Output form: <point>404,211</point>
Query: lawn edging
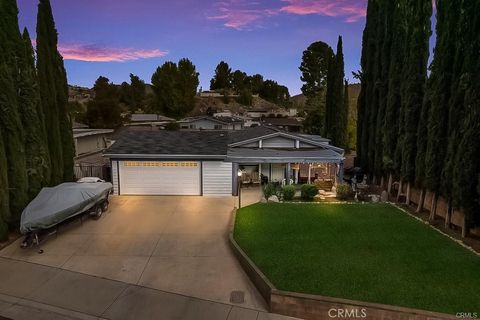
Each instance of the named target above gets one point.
<point>308,306</point>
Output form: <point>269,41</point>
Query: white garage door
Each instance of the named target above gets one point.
<point>160,177</point>
<point>217,178</point>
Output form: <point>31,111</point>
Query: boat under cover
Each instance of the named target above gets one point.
<point>56,204</point>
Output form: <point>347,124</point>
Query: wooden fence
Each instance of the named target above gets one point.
<point>102,172</point>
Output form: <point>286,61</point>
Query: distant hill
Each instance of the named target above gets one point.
<point>218,104</point>
<point>299,101</point>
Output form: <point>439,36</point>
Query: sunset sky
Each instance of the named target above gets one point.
<point>115,37</point>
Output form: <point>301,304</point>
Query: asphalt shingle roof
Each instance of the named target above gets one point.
<point>171,142</point>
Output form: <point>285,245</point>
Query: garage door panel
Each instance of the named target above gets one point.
<point>159,178</point>
<point>217,178</point>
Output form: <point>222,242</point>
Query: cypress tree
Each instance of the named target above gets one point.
<point>393,112</point>
<point>47,62</point>
<point>4,196</point>
<point>461,78</point>
<point>415,70</point>
<point>441,79</point>
<point>36,150</point>
<point>466,166</point>
<point>367,79</point>
<point>344,120</point>
<point>10,124</point>
<point>335,113</point>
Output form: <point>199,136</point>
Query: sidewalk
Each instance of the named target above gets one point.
<point>29,290</point>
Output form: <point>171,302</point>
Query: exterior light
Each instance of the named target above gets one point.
<point>239,173</point>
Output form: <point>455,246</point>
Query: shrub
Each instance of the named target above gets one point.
<point>343,191</point>
<point>288,192</point>
<point>269,190</point>
<point>309,191</point>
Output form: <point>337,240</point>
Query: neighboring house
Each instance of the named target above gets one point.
<point>287,124</point>
<point>90,142</point>
<point>148,120</point>
<point>211,123</point>
<point>207,162</point>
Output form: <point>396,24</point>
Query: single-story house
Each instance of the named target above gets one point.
<point>208,162</point>
<point>148,120</point>
<point>211,123</point>
<point>284,123</point>
<point>90,141</point>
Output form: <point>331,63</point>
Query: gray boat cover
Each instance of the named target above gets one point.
<point>56,204</point>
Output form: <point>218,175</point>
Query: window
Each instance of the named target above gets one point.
<point>159,164</point>
<point>218,127</point>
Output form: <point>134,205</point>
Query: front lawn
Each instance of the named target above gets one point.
<point>367,252</point>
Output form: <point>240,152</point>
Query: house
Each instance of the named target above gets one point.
<point>90,143</point>
<point>211,123</point>
<point>287,124</point>
<point>207,162</point>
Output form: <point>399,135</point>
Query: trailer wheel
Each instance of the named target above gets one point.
<point>104,205</point>
<point>98,212</point>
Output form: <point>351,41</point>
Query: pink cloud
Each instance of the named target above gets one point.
<point>239,14</point>
<point>94,53</point>
<point>351,10</point>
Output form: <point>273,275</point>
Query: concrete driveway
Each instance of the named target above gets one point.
<point>173,244</point>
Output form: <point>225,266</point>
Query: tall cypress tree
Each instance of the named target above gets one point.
<point>4,196</point>
<point>10,124</point>
<point>393,112</point>
<point>415,70</point>
<point>37,159</point>
<point>367,79</point>
<point>47,62</point>
<point>335,113</point>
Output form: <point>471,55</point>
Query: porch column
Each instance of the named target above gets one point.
<point>340,172</point>
<point>235,179</point>
<point>289,173</point>
<point>309,172</point>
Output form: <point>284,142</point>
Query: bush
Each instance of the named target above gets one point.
<point>309,191</point>
<point>269,190</point>
<point>288,192</point>
<point>343,191</point>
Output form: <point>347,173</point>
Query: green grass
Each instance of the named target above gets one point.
<point>370,252</point>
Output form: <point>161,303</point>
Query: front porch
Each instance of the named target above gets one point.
<point>249,175</point>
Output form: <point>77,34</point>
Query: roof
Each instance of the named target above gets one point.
<point>170,143</point>
<point>218,145</point>
<point>78,133</point>
<point>223,119</point>
<point>145,117</point>
<point>246,155</point>
<point>78,125</point>
<point>291,122</point>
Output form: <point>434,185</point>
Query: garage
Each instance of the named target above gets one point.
<point>159,177</point>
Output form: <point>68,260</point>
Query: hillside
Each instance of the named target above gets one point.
<point>202,104</point>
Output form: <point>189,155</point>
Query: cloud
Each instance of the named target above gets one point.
<point>95,53</point>
<point>240,15</point>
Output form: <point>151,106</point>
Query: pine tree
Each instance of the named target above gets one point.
<point>46,64</point>
<point>36,150</point>
<point>10,124</point>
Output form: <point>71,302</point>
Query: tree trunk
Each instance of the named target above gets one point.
<point>407,198</point>
<point>400,185</point>
<point>382,181</point>
<point>389,185</point>
<point>374,181</point>
<point>464,227</point>
<point>448,217</point>
<point>421,201</point>
<point>434,207</point>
